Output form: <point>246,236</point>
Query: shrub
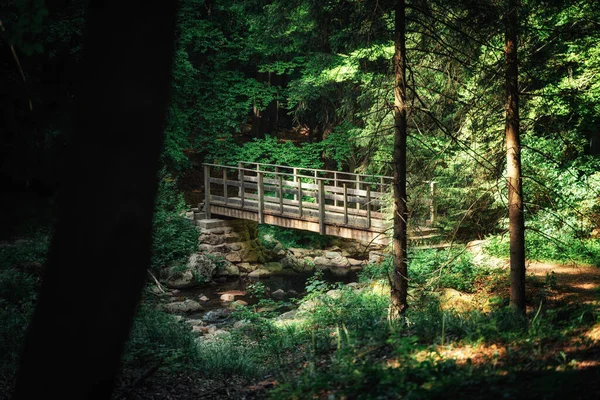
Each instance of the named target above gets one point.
<point>174,237</point>
<point>157,338</point>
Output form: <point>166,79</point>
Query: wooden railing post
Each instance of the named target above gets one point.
<point>357,188</point>
<point>335,183</point>
<point>316,184</point>
<point>261,198</point>
<point>345,203</point>
<point>241,179</point>
<point>207,191</point>
<point>300,196</point>
<point>295,180</point>
<point>368,207</point>
<point>225,183</point>
<point>242,191</point>
<point>280,194</point>
<point>321,196</point>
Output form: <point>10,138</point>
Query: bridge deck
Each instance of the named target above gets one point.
<point>329,202</point>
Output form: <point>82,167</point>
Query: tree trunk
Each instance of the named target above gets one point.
<point>100,251</point>
<point>399,278</point>
<point>513,157</point>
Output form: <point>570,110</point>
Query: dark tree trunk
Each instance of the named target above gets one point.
<point>100,252</point>
<point>513,155</point>
<point>399,279</point>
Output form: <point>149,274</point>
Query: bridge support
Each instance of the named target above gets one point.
<point>235,239</point>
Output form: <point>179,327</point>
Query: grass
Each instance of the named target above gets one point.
<point>342,344</point>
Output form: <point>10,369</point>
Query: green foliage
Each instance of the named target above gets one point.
<point>20,267</point>
<point>158,339</point>
<point>292,238</point>
<point>174,237</point>
<point>559,247</point>
<point>256,290</point>
<point>443,268</point>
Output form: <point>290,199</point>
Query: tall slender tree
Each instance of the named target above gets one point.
<point>513,157</point>
<point>399,279</point>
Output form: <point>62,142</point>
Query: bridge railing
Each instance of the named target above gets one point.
<point>331,197</point>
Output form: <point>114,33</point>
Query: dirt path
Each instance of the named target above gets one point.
<point>579,283</point>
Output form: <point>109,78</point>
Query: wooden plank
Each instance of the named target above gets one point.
<point>330,229</point>
<point>321,207</point>
<point>261,216</point>
<point>345,203</point>
<point>272,200</point>
<point>291,211</point>
<point>280,194</point>
<point>299,196</point>
<point>368,205</point>
<point>225,184</point>
<point>207,190</point>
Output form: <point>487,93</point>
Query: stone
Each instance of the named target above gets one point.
<point>354,262</point>
<point>259,273</point>
<point>334,293</point>
<point>321,261</point>
<point>240,324</point>
<point>353,285</point>
<point>247,267</point>
<point>185,306</point>
<point>292,293</point>
<point>287,315</point>
<point>227,269</point>
<point>227,297</point>
<point>194,322</point>
<point>241,302</point>
<point>273,266</point>
<point>375,257</point>
<point>332,254</point>
<point>233,257</point>
<point>235,246</point>
<point>198,329</point>
<point>181,279</point>
<point>203,298</point>
<point>216,315</point>
<point>278,294</point>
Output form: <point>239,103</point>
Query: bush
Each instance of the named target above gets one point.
<point>561,248</point>
<point>292,237</point>
<point>174,237</point>
<point>157,338</point>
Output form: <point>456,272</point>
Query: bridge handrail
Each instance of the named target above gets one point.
<point>316,178</point>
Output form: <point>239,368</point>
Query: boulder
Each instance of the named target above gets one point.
<point>321,261</point>
<point>216,315</point>
<point>203,298</point>
<point>227,269</point>
<point>278,294</point>
<point>259,273</point>
<point>375,257</point>
<point>181,279</point>
<point>185,306</point>
<point>227,297</point>
<point>273,266</point>
<point>287,315</point>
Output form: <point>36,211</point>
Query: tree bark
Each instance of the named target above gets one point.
<point>513,157</point>
<point>100,251</point>
<point>399,278</point>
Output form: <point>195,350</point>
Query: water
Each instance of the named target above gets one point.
<point>287,282</point>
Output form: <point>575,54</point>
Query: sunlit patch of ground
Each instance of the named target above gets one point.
<point>580,283</point>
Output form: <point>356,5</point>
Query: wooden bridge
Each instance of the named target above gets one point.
<point>329,202</point>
